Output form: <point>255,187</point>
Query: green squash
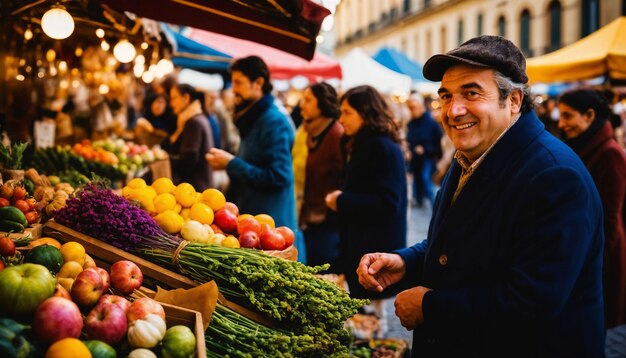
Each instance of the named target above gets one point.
<point>46,255</point>
<point>100,349</point>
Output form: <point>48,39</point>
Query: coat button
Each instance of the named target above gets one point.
<point>443,260</point>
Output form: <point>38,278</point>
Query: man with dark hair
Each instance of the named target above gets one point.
<point>512,265</point>
<point>261,175</point>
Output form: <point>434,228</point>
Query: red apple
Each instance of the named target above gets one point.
<point>106,323</point>
<point>57,318</point>
<point>250,240</point>
<point>142,307</point>
<point>126,276</point>
<point>272,240</point>
<point>248,224</point>
<point>232,208</point>
<point>60,291</point>
<point>106,279</point>
<point>216,229</point>
<point>226,220</point>
<point>288,235</point>
<point>87,288</point>
<point>115,300</point>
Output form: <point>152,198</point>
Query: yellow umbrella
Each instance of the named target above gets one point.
<point>601,53</point>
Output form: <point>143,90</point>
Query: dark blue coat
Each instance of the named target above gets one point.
<point>426,132</point>
<point>262,175</point>
<point>372,207</point>
<point>515,263</point>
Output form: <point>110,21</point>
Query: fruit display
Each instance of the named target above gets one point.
<point>285,291</point>
<point>206,217</point>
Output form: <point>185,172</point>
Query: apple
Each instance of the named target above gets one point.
<point>142,307</point>
<point>232,208</point>
<point>106,279</point>
<point>272,240</point>
<point>57,318</point>
<point>126,276</point>
<point>248,224</point>
<point>226,220</point>
<point>288,235</point>
<point>87,288</point>
<point>106,323</point>
<point>250,240</point>
<point>115,300</point>
<point>60,291</point>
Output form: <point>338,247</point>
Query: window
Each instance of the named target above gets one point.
<point>554,10</point>
<point>524,30</point>
<point>479,24</point>
<point>407,6</point>
<point>501,26</point>
<point>590,15</point>
<point>459,35</point>
<point>429,44</point>
<point>426,3</point>
<point>443,39</point>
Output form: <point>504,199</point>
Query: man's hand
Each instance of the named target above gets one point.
<point>419,150</point>
<point>409,306</point>
<point>379,270</point>
<point>331,199</point>
<point>218,159</point>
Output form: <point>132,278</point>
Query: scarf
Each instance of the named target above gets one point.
<point>578,143</point>
<point>192,110</point>
<point>245,119</point>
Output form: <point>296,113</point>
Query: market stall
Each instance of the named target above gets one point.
<point>357,62</point>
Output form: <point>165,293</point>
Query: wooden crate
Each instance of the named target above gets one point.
<point>106,255</point>
<point>175,315</point>
<point>34,231</point>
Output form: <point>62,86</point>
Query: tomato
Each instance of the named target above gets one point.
<point>31,217</point>
<point>1,265</point>
<point>31,203</point>
<point>7,247</point>
<point>4,202</point>
<point>22,205</point>
<point>19,193</point>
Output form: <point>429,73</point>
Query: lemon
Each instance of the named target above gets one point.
<point>169,221</point>
<point>185,194</point>
<point>165,201</point>
<point>202,213</point>
<point>177,208</point>
<point>163,185</point>
<point>184,213</point>
<point>137,183</point>
<point>70,269</point>
<point>213,198</point>
<point>265,219</point>
<point>231,241</point>
<point>145,197</point>
<point>73,251</point>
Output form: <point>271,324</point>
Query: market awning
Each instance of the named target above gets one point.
<point>360,69</point>
<point>282,65</point>
<point>602,53</point>
<point>187,53</point>
<point>398,61</point>
<point>289,25</point>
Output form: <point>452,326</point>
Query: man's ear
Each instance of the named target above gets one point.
<point>259,82</point>
<point>516,101</point>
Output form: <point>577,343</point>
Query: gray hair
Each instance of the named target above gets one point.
<point>506,86</point>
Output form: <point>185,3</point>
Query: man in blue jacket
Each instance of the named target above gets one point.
<point>513,261</point>
<point>261,176</point>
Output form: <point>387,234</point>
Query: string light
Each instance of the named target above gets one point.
<point>124,51</point>
<point>57,23</point>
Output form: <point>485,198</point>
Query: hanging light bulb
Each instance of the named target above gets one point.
<point>124,51</point>
<point>147,77</point>
<point>100,33</point>
<point>78,52</point>
<point>105,45</point>
<point>144,45</point>
<point>50,55</point>
<point>57,23</point>
<point>164,68</point>
<point>28,34</point>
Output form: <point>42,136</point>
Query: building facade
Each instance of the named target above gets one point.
<point>422,28</point>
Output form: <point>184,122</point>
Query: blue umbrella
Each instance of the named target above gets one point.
<point>397,61</point>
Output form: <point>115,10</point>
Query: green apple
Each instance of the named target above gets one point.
<point>23,288</point>
<point>179,342</point>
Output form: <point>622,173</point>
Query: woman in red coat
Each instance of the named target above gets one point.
<point>583,119</point>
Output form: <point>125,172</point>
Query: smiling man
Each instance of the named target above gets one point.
<point>513,260</point>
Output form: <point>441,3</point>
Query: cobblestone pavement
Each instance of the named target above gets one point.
<point>419,218</point>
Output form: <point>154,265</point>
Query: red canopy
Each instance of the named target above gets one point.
<point>282,65</point>
<point>290,25</point>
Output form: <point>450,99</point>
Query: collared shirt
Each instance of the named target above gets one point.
<point>468,168</point>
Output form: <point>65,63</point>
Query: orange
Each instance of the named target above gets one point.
<point>68,348</point>
<point>265,219</point>
<point>73,251</point>
<point>213,198</point>
<point>202,213</point>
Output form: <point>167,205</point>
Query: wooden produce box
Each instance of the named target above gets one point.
<point>35,231</point>
<point>106,255</point>
<point>175,315</point>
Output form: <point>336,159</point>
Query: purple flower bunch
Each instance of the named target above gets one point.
<point>106,216</point>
